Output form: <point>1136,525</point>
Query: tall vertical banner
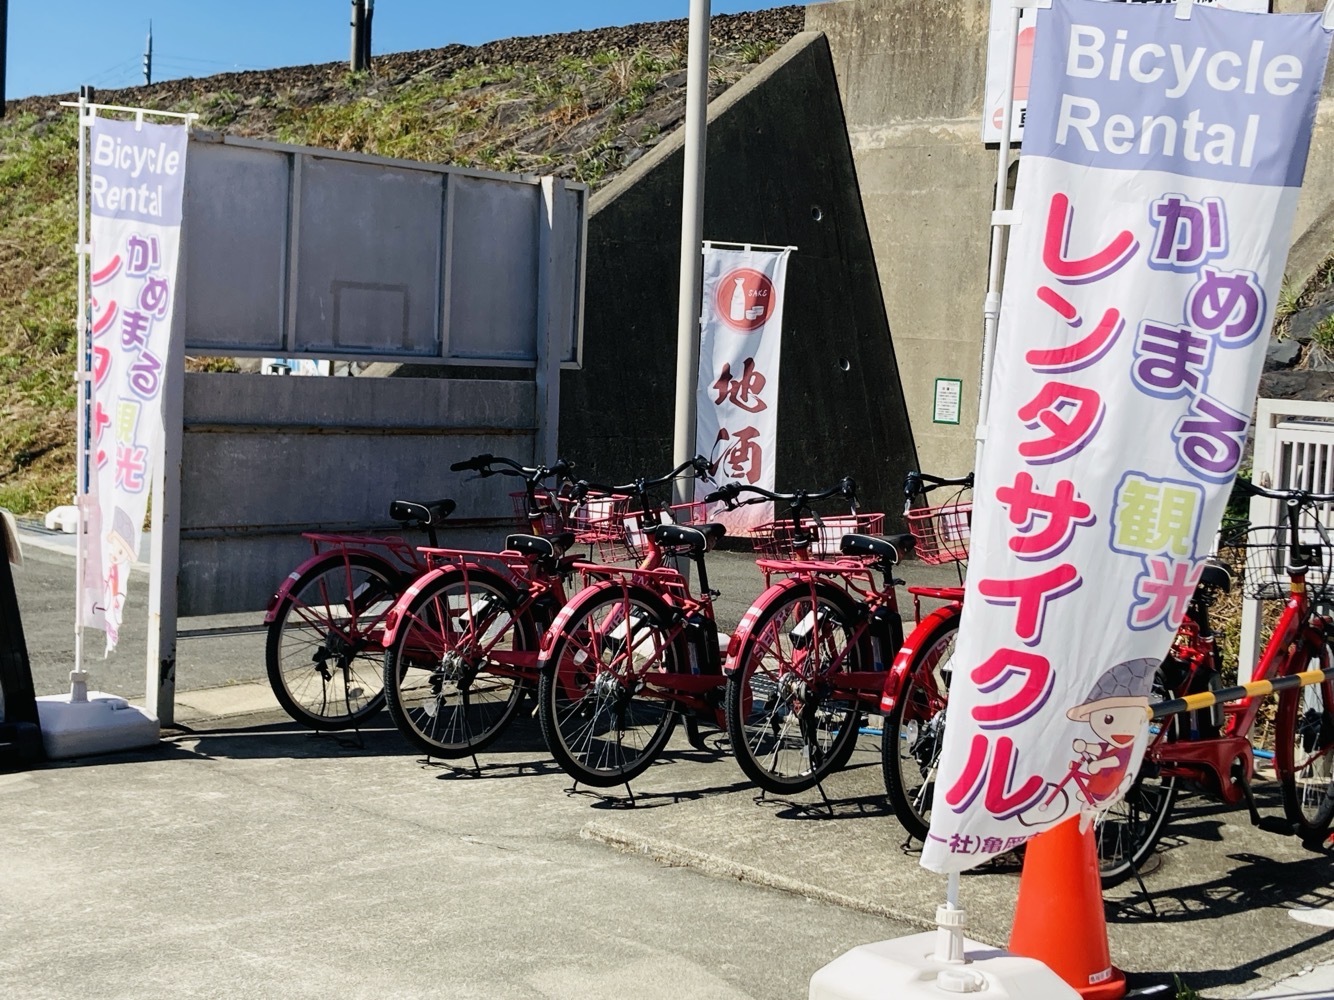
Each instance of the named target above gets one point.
<point>741,333</point>
<point>1162,162</point>
<point>136,190</point>
<point>1000,45</point>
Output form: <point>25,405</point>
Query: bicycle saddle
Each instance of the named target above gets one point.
<point>1216,575</point>
<point>697,538</point>
<point>552,546</point>
<point>891,548</point>
<point>429,514</point>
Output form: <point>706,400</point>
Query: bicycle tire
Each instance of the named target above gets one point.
<point>1127,833</point>
<point>313,625</point>
<point>444,691</point>
<point>587,713</point>
<point>912,742</point>
<point>784,741</point>
<point>1304,752</point>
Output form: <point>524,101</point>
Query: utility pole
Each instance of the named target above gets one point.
<point>692,236</point>
<point>366,21</point>
<point>357,61</point>
<point>148,56</point>
<point>4,46</point>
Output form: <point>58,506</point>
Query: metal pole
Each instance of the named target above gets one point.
<point>366,23</point>
<point>148,56</point>
<point>83,383</point>
<point>4,46</point>
<point>692,235</point>
<point>358,19</point>
<point>991,308</point>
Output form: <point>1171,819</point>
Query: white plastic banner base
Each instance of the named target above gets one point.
<point>102,724</point>
<point>904,968</point>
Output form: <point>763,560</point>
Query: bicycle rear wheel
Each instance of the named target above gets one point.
<point>789,724</point>
<point>1304,753</point>
<point>323,648</point>
<point>453,675</point>
<point>915,729</point>
<point>602,719</point>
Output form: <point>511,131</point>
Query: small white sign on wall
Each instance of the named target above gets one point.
<point>949,392</point>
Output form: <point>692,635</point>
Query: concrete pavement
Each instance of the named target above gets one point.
<point>246,857</point>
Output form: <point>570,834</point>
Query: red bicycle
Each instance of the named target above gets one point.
<point>1193,741</point>
<point>460,643</point>
<point>808,657</point>
<point>634,650</point>
<point>326,620</point>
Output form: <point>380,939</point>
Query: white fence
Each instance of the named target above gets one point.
<point>1294,448</point>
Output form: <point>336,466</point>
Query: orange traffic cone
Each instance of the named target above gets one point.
<point>1059,919</point>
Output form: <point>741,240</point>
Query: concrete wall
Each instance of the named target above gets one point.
<point>911,76</point>
<point>266,458</point>
<point>780,171</point>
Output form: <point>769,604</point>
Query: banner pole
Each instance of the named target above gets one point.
<point>78,679</point>
<point>995,276</point>
<point>692,236</point>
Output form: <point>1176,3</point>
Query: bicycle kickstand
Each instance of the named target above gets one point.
<point>819,785</point>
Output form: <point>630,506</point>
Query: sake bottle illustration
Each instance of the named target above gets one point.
<point>737,310</point>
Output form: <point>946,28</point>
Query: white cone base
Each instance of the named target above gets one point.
<point>903,969</point>
<point>102,724</point>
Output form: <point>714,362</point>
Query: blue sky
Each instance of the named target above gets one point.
<point>56,45</point>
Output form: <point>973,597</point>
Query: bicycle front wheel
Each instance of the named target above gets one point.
<point>453,676</point>
<point>1304,753</point>
<point>1127,833</point>
<point>789,723</point>
<point>915,729</point>
<point>323,648</point>
<point>603,696</point>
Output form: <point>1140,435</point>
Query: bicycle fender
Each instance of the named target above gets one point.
<point>903,659</point>
<point>757,608</point>
<point>400,609</point>
<point>286,586</point>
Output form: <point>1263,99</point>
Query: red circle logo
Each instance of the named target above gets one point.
<point>745,299</point>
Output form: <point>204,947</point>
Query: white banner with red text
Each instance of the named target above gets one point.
<point>741,336</point>
<point>1000,45</point>
<point>136,189</point>
<point>1154,212</point>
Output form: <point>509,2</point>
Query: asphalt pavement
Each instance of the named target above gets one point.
<point>246,857</point>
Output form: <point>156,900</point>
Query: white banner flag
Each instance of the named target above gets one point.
<point>741,334</point>
<point>998,54</point>
<point>1161,170</point>
<point>136,190</point>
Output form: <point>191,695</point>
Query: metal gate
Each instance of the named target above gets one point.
<point>309,253</point>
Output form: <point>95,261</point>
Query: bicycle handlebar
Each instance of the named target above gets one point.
<point>481,464</point>
<point>1291,496</point>
<point>699,465</point>
<point>730,494</point>
<point>920,483</point>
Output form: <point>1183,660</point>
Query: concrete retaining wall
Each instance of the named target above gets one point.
<point>780,171</point>
<point>911,75</point>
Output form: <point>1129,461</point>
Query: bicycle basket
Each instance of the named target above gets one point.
<point>1262,552</point>
<point>814,540</point>
<point>942,533</point>
<point>629,540</point>
<point>547,508</point>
